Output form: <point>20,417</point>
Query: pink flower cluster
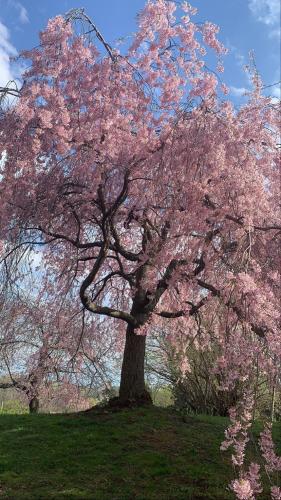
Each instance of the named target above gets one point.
<point>272,461</point>
<point>248,486</point>
<point>237,433</point>
<point>242,489</point>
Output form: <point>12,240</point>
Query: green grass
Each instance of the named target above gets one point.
<point>134,454</point>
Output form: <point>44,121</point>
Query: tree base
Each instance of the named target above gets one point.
<point>118,404</point>
<point>142,400</point>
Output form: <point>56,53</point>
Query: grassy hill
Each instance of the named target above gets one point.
<point>142,454</point>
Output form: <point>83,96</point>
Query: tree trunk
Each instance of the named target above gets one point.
<point>34,405</point>
<point>132,385</point>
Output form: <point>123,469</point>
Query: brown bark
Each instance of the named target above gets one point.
<point>132,385</point>
<point>34,405</point>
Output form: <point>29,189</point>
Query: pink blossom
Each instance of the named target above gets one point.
<point>275,493</point>
<point>273,462</point>
<point>242,488</point>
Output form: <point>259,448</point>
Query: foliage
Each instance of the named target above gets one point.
<point>197,388</point>
<point>11,404</point>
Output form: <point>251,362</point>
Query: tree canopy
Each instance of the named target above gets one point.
<point>149,195</point>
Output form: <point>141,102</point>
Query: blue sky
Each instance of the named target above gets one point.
<point>245,25</point>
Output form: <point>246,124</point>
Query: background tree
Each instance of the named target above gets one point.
<point>49,351</point>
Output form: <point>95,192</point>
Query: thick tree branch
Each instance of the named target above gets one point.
<point>178,314</point>
<point>92,306</point>
<point>163,284</point>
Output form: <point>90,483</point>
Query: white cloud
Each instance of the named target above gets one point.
<point>276,92</point>
<point>238,91</point>
<point>23,14</point>
<point>235,52</point>
<point>266,11</point>
<point>240,58</point>
<point>7,50</point>
<point>275,33</point>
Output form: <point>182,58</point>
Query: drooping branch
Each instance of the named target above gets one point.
<point>79,14</point>
<point>260,330</point>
